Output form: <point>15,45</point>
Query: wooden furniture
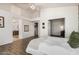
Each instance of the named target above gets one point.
<point>15,32</point>
<point>62,34</point>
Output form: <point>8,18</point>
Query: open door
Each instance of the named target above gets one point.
<point>36,29</point>
<point>57,27</point>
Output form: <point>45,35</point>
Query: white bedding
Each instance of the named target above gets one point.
<point>50,46</point>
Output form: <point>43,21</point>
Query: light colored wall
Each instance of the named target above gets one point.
<point>21,28</point>
<point>29,13</point>
<point>70,14</point>
<point>15,10</point>
<point>26,13</point>
<point>15,24</point>
<point>43,32</point>
<point>6,32</point>
<point>12,12</point>
<point>31,29</point>
<point>49,28</point>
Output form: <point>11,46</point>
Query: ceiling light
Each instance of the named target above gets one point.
<point>32,7</point>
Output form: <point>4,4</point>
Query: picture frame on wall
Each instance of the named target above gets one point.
<point>26,28</point>
<point>1,22</point>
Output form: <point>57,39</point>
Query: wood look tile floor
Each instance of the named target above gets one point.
<point>17,47</point>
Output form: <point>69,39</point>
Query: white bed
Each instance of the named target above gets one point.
<point>51,46</point>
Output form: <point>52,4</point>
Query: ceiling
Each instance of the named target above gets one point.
<point>38,6</point>
<point>52,5</point>
<point>44,5</point>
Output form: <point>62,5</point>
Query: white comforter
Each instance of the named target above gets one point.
<point>50,46</point>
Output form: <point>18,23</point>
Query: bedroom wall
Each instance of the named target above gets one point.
<point>15,24</point>
<point>12,13</point>
<point>21,29</point>
<point>26,13</point>
<point>23,21</point>
<point>6,32</point>
<point>70,13</point>
<point>43,32</point>
<point>15,10</point>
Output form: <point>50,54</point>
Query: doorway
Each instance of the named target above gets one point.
<point>57,27</point>
<point>15,29</point>
<point>35,30</point>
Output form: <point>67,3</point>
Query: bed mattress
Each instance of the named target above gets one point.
<point>51,46</point>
